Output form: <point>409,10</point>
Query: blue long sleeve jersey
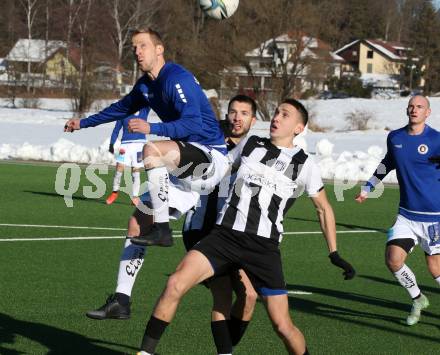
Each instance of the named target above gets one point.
<point>177,98</point>
<point>419,180</point>
<point>129,137</point>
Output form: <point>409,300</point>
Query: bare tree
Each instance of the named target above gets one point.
<point>82,86</point>
<point>30,9</point>
<point>127,14</point>
<point>46,37</point>
<point>73,9</point>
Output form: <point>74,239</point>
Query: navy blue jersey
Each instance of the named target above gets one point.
<point>179,101</point>
<point>419,180</point>
<point>129,137</point>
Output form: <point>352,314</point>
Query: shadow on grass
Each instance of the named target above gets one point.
<point>57,341</point>
<point>346,225</point>
<point>424,288</point>
<point>359,314</point>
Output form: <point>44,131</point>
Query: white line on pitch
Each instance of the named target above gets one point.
<point>24,239</point>
<point>61,227</point>
<point>56,238</point>
<point>110,228</point>
<point>338,232</point>
<point>299,293</point>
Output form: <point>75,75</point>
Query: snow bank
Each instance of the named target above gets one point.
<point>37,134</point>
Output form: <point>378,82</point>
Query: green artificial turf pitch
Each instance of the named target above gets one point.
<point>46,286</point>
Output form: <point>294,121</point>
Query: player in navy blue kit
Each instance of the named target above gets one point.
<point>409,151</point>
<point>196,151</point>
<point>129,154</point>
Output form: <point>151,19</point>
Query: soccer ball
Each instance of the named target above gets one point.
<point>219,9</point>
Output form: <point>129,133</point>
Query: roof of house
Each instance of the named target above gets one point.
<point>313,46</point>
<point>33,50</point>
<point>392,50</point>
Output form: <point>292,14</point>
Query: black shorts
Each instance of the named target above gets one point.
<point>405,243</point>
<point>227,249</point>
<point>190,158</point>
<point>192,237</point>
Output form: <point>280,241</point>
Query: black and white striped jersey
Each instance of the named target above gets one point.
<point>268,182</point>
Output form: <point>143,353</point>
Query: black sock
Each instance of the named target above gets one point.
<point>237,328</point>
<point>122,298</point>
<point>153,332</point>
<point>222,339</point>
<point>163,225</point>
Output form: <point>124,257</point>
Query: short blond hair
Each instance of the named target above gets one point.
<point>155,36</point>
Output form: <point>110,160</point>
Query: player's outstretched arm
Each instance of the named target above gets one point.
<point>328,227</point>
<point>326,219</point>
<point>72,125</point>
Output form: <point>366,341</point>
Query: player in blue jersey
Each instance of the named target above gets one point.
<point>196,151</point>
<point>129,154</point>
<point>198,223</point>
<point>409,150</point>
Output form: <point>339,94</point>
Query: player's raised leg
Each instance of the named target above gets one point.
<point>194,268</point>
<point>159,158</point>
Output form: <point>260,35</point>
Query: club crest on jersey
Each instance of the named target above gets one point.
<point>422,149</point>
<point>279,165</point>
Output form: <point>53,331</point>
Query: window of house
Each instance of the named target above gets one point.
<point>369,68</point>
<point>248,82</point>
<point>272,83</point>
<point>280,53</point>
<point>230,81</point>
<point>370,54</point>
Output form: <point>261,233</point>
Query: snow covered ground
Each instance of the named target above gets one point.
<point>37,134</point>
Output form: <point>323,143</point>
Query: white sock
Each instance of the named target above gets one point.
<point>408,280</point>
<point>136,175</point>
<point>130,264</point>
<point>117,180</point>
<point>437,279</point>
<point>158,183</point>
<point>143,353</point>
